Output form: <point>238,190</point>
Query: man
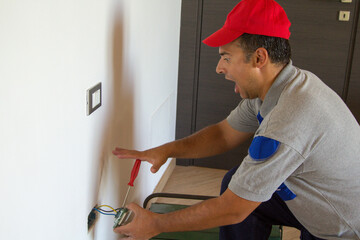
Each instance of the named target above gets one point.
<point>303,166</point>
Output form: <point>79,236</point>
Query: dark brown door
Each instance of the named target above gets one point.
<point>320,43</point>
<point>353,97</point>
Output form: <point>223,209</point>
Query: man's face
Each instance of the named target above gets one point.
<point>233,65</point>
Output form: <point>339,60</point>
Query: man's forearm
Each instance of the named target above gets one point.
<point>210,141</point>
<point>206,142</point>
<point>207,214</point>
<point>201,216</point>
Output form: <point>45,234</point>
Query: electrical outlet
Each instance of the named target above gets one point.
<point>344,16</point>
<point>92,218</point>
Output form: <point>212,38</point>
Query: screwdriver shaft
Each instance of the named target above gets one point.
<point>126,196</point>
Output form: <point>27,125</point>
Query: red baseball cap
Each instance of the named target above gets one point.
<point>261,17</point>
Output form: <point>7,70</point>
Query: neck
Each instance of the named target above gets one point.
<point>270,74</point>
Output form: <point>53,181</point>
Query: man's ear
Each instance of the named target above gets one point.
<point>261,56</point>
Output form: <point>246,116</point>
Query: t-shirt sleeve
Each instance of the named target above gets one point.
<point>264,169</point>
<point>243,117</point>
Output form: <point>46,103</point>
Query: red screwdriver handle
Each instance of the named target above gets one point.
<point>134,172</point>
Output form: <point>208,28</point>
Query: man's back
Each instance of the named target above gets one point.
<point>316,123</point>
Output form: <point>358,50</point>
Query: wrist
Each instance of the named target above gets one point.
<point>157,226</point>
<point>164,150</point>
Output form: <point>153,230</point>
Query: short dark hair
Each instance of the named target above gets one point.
<point>279,49</point>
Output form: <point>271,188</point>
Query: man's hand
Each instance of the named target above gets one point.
<point>154,156</point>
<point>143,226</point>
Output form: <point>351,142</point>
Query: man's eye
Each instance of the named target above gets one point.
<point>225,58</point>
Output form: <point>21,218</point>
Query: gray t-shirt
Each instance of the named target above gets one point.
<point>307,149</point>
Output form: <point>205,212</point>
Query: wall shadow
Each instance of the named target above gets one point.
<point>113,173</point>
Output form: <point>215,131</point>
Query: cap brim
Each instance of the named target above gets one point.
<point>222,37</point>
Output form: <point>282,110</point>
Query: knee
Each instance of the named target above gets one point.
<point>227,178</point>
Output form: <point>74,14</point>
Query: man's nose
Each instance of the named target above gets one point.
<point>219,68</point>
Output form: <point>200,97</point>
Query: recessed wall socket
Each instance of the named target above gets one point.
<point>93,98</point>
<point>92,218</point>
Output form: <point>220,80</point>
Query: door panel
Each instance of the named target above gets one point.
<point>353,98</point>
<point>319,41</point>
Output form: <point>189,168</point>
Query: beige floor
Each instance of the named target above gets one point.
<point>203,181</point>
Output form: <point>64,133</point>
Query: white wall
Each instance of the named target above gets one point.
<point>56,162</point>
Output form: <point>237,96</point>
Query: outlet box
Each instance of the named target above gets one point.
<point>92,218</point>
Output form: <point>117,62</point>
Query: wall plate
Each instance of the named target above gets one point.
<point>93,98</point>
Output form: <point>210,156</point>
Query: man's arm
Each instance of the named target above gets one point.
<point>224,210</point>
<point>210,141</point>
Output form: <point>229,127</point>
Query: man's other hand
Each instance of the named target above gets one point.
<point>154,156</point>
